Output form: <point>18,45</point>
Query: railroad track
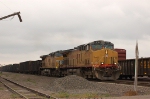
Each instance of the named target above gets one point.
<point>24,92</point>
<point>144,83</point>
<point>141,82</point>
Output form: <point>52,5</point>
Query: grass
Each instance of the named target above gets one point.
<point>61,95</point>
<point>1,88</point>
<point>14,96</point>
<point>0,73</point>
<point>130,93</point>
<point>84,95</point>
<point>15,76</point>
<point>30,80</point>
<point>89,95</point>
<point>105,95</point>
<point>6,75</point>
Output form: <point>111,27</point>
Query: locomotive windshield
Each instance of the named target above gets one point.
<point>100,46</point>
<point>109,46</point>
<point>96,46</point>
<point>58,54</point>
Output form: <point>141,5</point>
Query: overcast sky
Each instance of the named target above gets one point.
<point>51,25</point>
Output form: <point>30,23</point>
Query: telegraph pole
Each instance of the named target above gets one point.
<point>16,13</point>
<point>136,66</point>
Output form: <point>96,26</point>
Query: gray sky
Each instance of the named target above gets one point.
<point>51,25</point>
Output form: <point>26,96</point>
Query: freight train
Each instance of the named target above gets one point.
<point>128,65</point>
<point>96,59</point>
<point>31,67</point>
<point>128,68</point>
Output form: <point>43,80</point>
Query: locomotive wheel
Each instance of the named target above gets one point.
<point>98,75</point>
<point>82,74</point>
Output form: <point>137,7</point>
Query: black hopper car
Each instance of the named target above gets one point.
<point>31,67</point>
<point>128,68</point>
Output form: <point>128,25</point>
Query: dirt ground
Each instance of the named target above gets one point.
<point>41,83</point>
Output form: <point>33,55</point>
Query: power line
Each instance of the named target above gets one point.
<point>6,6</point>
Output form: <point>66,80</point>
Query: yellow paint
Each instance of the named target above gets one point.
<point>91,58</point>
<point>51,62</point>
<point>145,64</point>
<point>83,58</point>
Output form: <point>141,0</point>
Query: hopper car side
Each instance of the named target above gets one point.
<point>128,68</point>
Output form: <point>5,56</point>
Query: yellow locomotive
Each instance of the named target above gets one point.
<point>96,59</point>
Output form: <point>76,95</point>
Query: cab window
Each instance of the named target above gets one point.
<point>96,47</point>
<point>58,54</point>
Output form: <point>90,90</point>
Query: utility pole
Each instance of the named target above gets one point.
<point>136,66</point>
<point>16,13</point>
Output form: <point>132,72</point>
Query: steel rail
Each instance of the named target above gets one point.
<point>32,90</point>
<point>14,90</point>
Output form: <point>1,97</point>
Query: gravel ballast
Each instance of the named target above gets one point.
<point>72,85</point>
<point>76,84</point>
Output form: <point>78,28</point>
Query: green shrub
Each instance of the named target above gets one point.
<point>15,96</point>
<point>62,95</point>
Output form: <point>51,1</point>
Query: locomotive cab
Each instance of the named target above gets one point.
<point>105,61</point>
<point>52,63</point>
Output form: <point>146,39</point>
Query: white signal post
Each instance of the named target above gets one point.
<point>136,66</point>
